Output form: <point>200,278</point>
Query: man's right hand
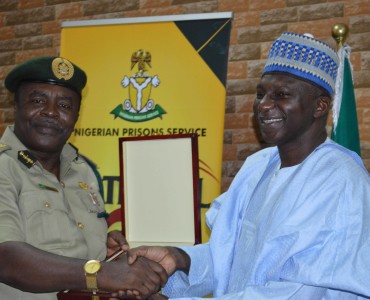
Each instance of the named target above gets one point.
<point>170,258</point>
<point>144,277</point>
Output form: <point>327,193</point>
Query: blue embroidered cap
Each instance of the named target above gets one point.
<point>305,57</point>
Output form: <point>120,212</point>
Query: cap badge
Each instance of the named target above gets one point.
<point>62,68</point>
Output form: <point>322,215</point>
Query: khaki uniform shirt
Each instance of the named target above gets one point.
<point>60,217</point>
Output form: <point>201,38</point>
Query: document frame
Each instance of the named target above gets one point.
<point>85,295</point>
<point>159,177</point>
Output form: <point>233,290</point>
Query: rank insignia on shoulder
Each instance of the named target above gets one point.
<point>26,158</point>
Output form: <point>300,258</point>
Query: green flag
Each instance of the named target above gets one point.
<point>345,127</point>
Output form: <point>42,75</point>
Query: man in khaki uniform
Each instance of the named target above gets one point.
<point>53,233</point>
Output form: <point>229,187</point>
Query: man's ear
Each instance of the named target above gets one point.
<point>322,107</point>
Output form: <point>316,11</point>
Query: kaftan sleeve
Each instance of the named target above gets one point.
<point>199,282</point>
<point>281,290</point>
<point>271,291</point>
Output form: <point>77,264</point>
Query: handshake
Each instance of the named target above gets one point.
<point>141,272</point>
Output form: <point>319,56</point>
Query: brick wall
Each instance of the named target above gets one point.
<point>31,28</point>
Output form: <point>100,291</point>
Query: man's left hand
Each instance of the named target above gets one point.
<point>115,242</point>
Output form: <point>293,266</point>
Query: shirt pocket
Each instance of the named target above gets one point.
<point>48,222</point>
<point>87,207</point>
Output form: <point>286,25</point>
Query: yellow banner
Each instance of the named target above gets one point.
<point>147,78</point>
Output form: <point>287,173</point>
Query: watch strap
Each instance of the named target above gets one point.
<point>91,282</point>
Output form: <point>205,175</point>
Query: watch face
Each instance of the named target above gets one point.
<point>92,266</point>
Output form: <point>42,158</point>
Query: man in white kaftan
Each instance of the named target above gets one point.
<point>298,243</point>
<point>295,222</point>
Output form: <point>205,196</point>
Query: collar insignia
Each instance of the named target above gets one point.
<point>26,158</point>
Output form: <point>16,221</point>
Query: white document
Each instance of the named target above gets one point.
<point>158,192</point>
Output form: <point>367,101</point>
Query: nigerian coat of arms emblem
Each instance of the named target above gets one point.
<point>139,106</point>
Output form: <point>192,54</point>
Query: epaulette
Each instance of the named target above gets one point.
<point>4,147</point>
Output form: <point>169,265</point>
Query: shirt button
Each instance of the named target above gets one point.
<point>62,184</point>
<point>80,225</point>
<point>47,204</point>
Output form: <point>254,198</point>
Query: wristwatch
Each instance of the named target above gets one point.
<point>91,271</point>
